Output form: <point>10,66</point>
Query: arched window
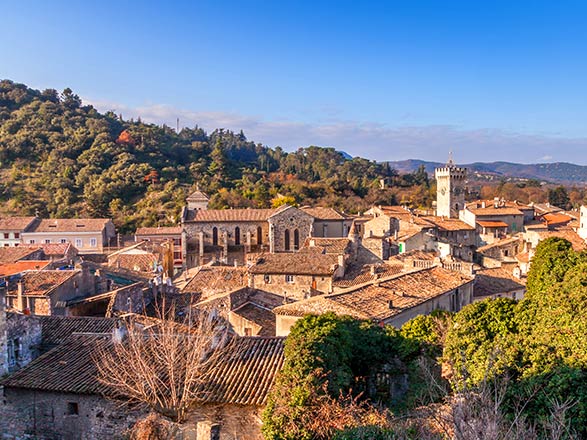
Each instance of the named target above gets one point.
<point>287,239</point>
<point>296,239</point>
<point>259,235</point>
<point>237,236</point>
<point>214,236</point>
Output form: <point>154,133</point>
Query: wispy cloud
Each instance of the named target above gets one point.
<point>373,140</point>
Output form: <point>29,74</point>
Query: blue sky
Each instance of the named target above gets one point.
<point>492,80</point>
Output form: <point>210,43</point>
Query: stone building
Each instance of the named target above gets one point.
<point>298,275</point>
<point>164,234</point>
<point>59,396</point>
<point>328,222</point>
<point>450,189</point>
<point>394,300</point>
<point>11,229</point>
<point>213,234</point>
<point>512,214</point>
<point>499,282</point>
<point>3,337</point>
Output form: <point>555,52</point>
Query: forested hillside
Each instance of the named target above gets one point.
<point>61,158</point>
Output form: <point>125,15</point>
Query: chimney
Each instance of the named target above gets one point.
<point>372,269</point>
<point>483,204</point>
<point>20,299</point>
<point>390,304</point>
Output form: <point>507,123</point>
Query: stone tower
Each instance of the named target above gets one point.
<point>450,189</point>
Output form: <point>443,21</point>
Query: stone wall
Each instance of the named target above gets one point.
<point>23,335</point>
<point>380,226</point>
<point>3,347</point>
<point>301,287</point>
<point>290,219</point>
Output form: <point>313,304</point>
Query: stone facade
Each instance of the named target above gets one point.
<point>23,338</point>
<point>381,226</point>
<point>288,229</point>
<point>450,190</point>
<point>3,341</point>
<point>292,286</point>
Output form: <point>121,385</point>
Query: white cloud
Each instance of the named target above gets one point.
<point>373,140</point>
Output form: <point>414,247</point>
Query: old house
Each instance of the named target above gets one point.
<point>328,222</point>
<point>87,235</point>
<point>11,229</point>
<point>453,237</point>
<point>499,282</point>
<point>164,234</point>
<point>20,253</point>
<point>513,214</point>
<point>214,234</point>
<point>58,394</point>
<point>208,281</point>
<point>394,300</point>
<point>297,275</point>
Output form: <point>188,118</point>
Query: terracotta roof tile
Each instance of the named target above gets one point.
<point>568,234</point>
<point>171,230</point>
<point>320,213</point>
<point>70,225</point>
<point>404,291</point>
<point>42,282</point>
<point>337,246</point>
<point>356,275</point>
<point>216,279</point>
<point>57,329</point>
<point>449,224</point>
<point>492,224</point>
<point>15,223</point>
<point>7,269</point>
<point>259,315</point>
<point>500,243</point>
<point>496,280</point>
<point>143,262</point>
<point>296,264</point>
<point>233,215</point>
<point>50,249</point>
<point>556,219</point>
<point>11,254</point>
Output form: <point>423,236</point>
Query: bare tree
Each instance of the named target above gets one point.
<point>162,364</point>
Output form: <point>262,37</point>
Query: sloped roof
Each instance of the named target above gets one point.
<point>218,279</point>
<point>259,315</point>
<point>568,234</point>
<point>321,213</point>
<point>198,196</point>
<point>500,243</point>
<point>496,280</point>
<point>556,219</point>
<point>51,249</point>
<point>233,215</point>
<point>296,264</point>
<point>449,224</point>
<point>143,262</point>
<point>337,246</point>
<point>244,375</point>
<point>15,223</point>
<point>42,282</point>
<point>169,230</point>
<point>7,269</point>
<point>71,225</point>
<point>361,274</point>
<point>492,224</point>
<point>10,254</point>
<point>404,291</point>
<point>57,329</point>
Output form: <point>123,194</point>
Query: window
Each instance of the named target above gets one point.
<point>324,230</point>
<point>63,240</point>
<point>248,331</point>
<point>6,245</point>
<point>93,242</point>
<point>72,409</point>
<point>47,241</point>
<point>286,239</point>
<point>177,255</point>
<point>177,241</point>
<point>31,241</point>
<point>17,235</point>
<point>6,235</point>
<point>237,236</point>
<point>289,279</point>
<point>78,243</point>
<point>296,239</point>
<point>259,235</point>
<point>214,236</point>
<point>267,279</point>
<point>215,432</point>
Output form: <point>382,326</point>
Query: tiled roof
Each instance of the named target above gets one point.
<point>57,329</point>
<point>296,264</point>
<point>142,262</point>
<point>361,274</point>
<point>243,376</point>
<point>320,213</point>
<point>492,224</point>
<point>42,282</point>
<point>556,218</point>
<point>15,223</point>
<point>337,246</point>
<point>500,243</point>
<point>10,254</point>
<point>449,224</point>
<point>568,234</point>
<point>50,249</point>
<point>7,269</point>
<point>496,280</point>
<point>415,255</point>
<point>543,208</point>
<point>506,208</point>
<point>198,196</point>
<point>259,315</point>
<point>233,215</point>
<point>71,225</point>
<point>217,279</point>
<point>67,368</point>
<point>404,291</point>
<point>171,230</point>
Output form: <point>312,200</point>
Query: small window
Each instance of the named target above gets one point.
<point>267,279</point>
<point>17,235</point>
<point>215,432</point>
<point>72,409</point>
<point>6,235</point>
<point>248,331</point>
<point>6,245</point>
<point>32,241</point>
<point>47,241</point>
<point>78,243</point>
<point>289,279</point>
<point>63,241</point>
<point>93,242</point>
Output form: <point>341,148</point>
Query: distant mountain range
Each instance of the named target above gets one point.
<point>558,172</point>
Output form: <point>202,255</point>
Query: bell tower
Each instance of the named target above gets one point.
<point>450,189</point>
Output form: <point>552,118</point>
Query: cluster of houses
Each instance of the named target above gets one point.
<point>66,286</point>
